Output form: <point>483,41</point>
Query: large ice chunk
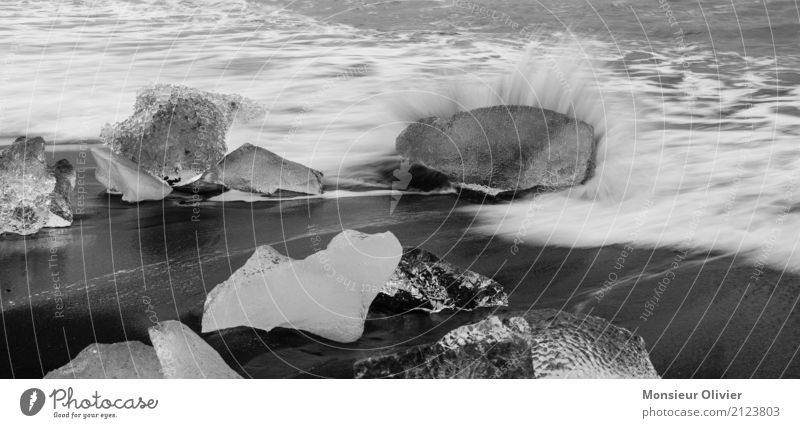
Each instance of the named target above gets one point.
<point>177,132</point>
<point>537,344</point>
<point>33,195</point>
<point>502,148</point>
<point>327,294</point>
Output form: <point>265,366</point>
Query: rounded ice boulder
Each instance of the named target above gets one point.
<point>502,148</point>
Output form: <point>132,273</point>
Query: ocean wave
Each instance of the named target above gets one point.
<point>703,163</point>
<point>697,147</point>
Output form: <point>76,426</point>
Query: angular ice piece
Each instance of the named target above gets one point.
<point>177,132</point>
<point>121,175</point>
<point>184,355</point>
<point>424,282</point>
<point>125,360</point>
<point>255,169</point>
<point>327,294</point>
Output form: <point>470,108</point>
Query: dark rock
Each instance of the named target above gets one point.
<point>200,187</point>
<point>422,281</point>
<point>394,172</point>
<point>502,148</point>
<point>60,206</point>
<point>176,132</point>
<point>33,195</point>
<point>254,169</point>
<point>538,344</point>
<point>419,178</point>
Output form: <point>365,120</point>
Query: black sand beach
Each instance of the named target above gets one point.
<point>121,268</point>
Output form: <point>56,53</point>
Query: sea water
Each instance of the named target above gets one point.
<point>694,105</point>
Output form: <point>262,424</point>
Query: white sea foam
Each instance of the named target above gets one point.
<point>709,163</point>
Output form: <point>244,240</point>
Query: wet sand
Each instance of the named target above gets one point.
<point>123,267</point>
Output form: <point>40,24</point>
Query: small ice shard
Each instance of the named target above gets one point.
<point>184,355</point>
<point>424,282</point>
<point>33,195</point>
<point>177,353</point>
<point>121,175</point>
<point>537,344</point>
<point>125,360</point>
<point>327,294</point>
<point>258,170</point>
<point>177,132</point>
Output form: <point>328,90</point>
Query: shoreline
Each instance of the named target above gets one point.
<point>705,323</point>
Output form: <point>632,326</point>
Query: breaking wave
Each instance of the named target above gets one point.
<point>691,159</point>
